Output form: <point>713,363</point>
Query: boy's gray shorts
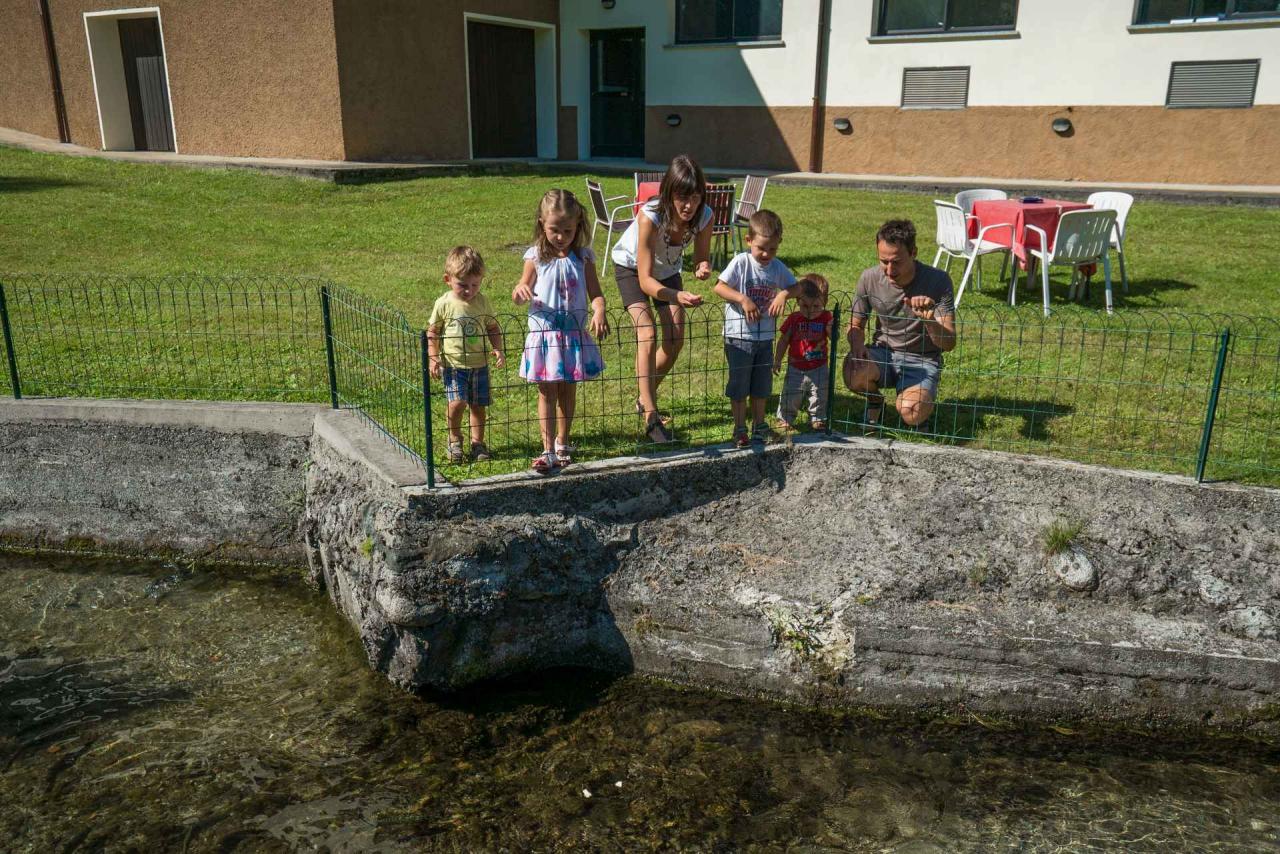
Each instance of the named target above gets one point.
<point>750,369</point>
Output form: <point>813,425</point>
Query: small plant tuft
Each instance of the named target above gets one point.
<point>1059,536</point>
<point>366,547</point>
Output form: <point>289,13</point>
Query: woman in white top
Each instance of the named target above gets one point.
<point>648,260</point>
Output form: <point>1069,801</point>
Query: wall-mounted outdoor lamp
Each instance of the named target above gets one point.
<point>608,4</point>
<point>1061,126</point>
<point>673,120</point>
<point>842,125</point>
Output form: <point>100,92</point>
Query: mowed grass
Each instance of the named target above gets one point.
<point>1128,391</point>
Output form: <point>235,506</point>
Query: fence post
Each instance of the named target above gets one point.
<point>1206,433</point>
<point>831,365</point>
<point>426,409</point>
<point>328,345</point>
<point>8,346</point>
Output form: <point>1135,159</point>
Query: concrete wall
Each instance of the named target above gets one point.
<point>246,77</point>
<point>26,96</point>
<point>404,74</point>
<point>199,479</point>
<point>815,572</point>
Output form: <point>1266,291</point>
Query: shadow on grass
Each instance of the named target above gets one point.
<point>23,184</point>
<point>961,420</point>
<point>798,262</point>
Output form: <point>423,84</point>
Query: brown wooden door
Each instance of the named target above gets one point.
<point>504,100</point>
<point>145,81</point>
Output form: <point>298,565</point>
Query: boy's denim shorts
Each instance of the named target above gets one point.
<point>902,371</point>
<point>470,385</point>
<point>750,369</point>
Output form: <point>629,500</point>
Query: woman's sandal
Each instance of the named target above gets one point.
<point>544,463</point>
<point>664,417</point>
<point>564,454</point>
<point>657,432</point>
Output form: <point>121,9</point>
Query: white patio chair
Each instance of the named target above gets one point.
<point>1120,203</point>
<point>608,217</point>
<point>954,242</point>
<point>966,198</point>
<point>1083,237</point>
<point>752,200</point>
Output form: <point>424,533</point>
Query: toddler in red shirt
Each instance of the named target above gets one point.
<point>805,339</point>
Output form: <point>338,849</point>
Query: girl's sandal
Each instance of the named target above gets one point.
<point>544,463</point>
<point>564,454</point>
<point>664,417</point>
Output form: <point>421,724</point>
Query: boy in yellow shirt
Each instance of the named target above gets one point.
<point>460,321</point>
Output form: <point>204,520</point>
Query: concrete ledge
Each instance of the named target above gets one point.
<point>284,419</point>
<point>351,438</point>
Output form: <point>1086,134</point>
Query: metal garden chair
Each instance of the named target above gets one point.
<point>752,200</point>
<point>608,217</point>
<point>719,198</point>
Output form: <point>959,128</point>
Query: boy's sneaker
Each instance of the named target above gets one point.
<point>741,439</point>
<point>480,452</point>
<point>454,453</point>
<point>764,434</point>
<point>818,426</point>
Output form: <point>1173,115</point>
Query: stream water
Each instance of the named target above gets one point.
<point>151,708</point>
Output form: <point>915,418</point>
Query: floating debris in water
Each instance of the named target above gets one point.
<point>586,793</point>
<point>159,587</point>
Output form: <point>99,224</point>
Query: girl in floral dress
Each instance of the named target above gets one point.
<point>559,280</point>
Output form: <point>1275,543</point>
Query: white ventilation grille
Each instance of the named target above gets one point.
<point>935,88</point>
<point>1212,84</point>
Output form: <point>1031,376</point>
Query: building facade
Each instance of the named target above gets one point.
<point>1181,91</point>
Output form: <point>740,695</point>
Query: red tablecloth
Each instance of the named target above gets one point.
<point>1043,215</point>
<point>646,191</point>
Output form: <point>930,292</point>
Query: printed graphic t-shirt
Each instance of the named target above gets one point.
<point>810,338</point>
<point>462,329</point>
<point>760,283</point>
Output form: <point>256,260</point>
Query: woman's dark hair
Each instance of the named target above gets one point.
<point>683,177</point>
<point>898,232</point>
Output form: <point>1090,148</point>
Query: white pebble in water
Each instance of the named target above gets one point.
<point>618,784</point>
<point>586,793</point>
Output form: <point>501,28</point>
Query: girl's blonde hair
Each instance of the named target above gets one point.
<point>564,203</point>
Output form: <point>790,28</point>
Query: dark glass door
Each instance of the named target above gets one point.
<point>145,82</point>
<point>617,93</point>
<point>504,101</point>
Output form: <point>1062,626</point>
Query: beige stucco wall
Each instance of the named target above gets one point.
<point>246,77</point>
<point>1126,144</point>
<point>404,73</point>
<point>26,95</point>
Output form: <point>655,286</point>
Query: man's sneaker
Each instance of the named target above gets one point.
<point>763,434</point>
<point>741,439</point>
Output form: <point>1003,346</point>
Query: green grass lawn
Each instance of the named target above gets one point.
<point>1129,391</point>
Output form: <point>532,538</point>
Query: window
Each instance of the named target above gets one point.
<point>1223,84</point>
<point>1167,11</point>
<point>702,21</point>
<point>935,88</point>
<point>900,17</point>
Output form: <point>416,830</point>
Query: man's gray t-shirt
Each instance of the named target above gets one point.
<point>896,327</point>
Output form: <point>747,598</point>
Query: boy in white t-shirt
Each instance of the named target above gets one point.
<point>755,286</point>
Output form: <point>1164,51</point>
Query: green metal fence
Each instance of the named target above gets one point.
<point>180,337</point>
<point>1192,394</point>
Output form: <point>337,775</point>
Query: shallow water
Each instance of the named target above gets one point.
<point>153,709</point>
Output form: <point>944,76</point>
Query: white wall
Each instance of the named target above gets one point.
<point>1068,52</point>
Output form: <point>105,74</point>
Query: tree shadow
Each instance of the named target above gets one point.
<point>26,184</point>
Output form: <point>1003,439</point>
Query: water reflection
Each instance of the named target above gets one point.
<point>163,708</point>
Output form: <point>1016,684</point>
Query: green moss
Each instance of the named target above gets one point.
<point>366,547</point>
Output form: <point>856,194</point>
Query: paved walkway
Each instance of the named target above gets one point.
<point>351,172</point>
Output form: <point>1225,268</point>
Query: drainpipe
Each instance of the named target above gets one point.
<point>818,121</point>
<point>55,76</point>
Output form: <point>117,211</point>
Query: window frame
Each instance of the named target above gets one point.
<point>1140,15</point>
<point>879,14</point>
<point>680,40</point>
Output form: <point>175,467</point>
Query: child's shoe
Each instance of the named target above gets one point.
<point>564,454</point>
<point>480,452</point>
<point>741,439</point>
<point>544,463</point>
<point>818,426</point>
<point>763,434</point>
<point>454,453</point>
